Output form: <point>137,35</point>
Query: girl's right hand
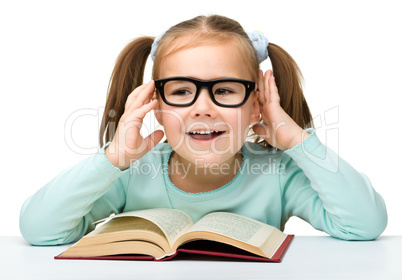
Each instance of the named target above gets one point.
<point>127,144</point>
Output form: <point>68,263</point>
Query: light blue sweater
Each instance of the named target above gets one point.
<point>309,181</point>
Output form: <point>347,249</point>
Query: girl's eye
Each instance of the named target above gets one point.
<point>223,91</point>
<point>181,92</point>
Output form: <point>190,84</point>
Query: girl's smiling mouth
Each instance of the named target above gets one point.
<point>204,135</point>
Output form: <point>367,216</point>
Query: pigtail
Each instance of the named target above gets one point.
<point>288,78</point>
<point>127,75</point>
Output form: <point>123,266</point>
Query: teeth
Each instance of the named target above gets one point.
<point>203,131</point>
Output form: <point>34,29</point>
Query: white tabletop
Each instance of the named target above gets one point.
<point>308,257</point>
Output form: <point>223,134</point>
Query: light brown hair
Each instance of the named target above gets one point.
<point>128,72</point>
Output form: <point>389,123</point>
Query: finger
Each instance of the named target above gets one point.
<point>134,119</point>
<point>274,94</point>
<point>143,97</point>
<point>139,113</point>
<point>268,74</point>
<point>261,89</point>
<point>261,109</point>
<point>153,139</point>
<point>134,94</point>
<point>262,130</point>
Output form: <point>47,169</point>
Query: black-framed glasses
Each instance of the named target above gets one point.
<point>184,91</point>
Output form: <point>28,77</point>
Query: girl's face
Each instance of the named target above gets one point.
<point>207,62</point>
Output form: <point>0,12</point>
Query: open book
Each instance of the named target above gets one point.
<point>160,234</point>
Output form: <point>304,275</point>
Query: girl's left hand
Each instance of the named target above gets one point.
<point>279,129</point>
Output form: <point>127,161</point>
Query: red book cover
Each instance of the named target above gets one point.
<point>203,247</point>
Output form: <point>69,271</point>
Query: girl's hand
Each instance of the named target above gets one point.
<point>279,129</point>
<point>127,144</point>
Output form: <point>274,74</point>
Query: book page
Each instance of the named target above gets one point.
<point>172,222</point>
<point>235,226</point>
<point>127,224</point>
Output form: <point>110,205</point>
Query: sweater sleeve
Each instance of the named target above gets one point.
<point>64,209</point>
<point>324,190</point>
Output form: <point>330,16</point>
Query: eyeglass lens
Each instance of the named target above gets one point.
<point>183,92</point>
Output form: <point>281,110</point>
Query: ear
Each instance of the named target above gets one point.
<point>157,110</point>
<point>255,110</point>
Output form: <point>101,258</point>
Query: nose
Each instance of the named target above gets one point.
<point>203,106</point>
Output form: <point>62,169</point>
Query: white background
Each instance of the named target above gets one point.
<point>56,58</point>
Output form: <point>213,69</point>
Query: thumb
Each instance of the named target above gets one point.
<point>262,130</point>
<point>154,138</point>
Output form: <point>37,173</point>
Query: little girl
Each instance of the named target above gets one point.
<point>208,93</point>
